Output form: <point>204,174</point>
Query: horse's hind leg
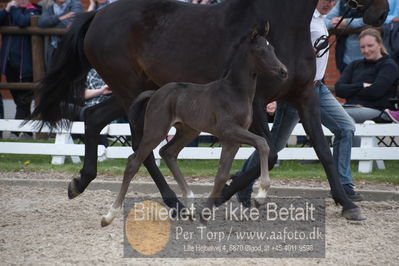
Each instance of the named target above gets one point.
<point>169,152</point>
<point>96,118</point>
<point>168,195</point>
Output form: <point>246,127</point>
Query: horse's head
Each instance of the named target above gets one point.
<point>263,53</point>
<point>374,11</point>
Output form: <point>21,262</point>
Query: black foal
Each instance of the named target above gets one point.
<point>222,108</point>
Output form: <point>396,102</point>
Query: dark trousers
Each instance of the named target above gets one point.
<point>22,98</point>
<point>1,112</point>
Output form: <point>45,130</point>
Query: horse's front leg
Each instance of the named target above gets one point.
<point>229,150</point>
<point>96,118</point>
<point>242,135</point>
<point>259,127</point>
<point>309,111</point>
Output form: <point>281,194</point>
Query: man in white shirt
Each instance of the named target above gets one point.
<point>333,116</point>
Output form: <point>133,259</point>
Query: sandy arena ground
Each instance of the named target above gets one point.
<point>42,226</point>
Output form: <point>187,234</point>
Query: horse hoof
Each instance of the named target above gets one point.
<point>354,214</point>
<point>174,203</point>
<point>259,202</point>
<point>104,222</point>
<point>219,201</point>
<point>73,191</point>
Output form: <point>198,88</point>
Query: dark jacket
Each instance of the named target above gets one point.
<point>16,50</point>
<point>382,74</point>
<point>50,20</point>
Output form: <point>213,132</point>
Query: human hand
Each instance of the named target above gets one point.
<point>271,108</point>
<point>335,21</point>
<point>105,90</point>
<point>66,16</point>
<point>396,20</point>
<point>10,4</point>
<point>365,85</point>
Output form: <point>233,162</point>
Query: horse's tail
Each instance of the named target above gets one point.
<point>62,89</point>
<point>137,107</point>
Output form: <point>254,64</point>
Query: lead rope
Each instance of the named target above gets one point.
<point>322,42</point>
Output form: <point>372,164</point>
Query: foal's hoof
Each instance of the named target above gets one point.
<point>259,202</point>
<point>354,214</point>
<point>73,190</point>
<point>105,222</point>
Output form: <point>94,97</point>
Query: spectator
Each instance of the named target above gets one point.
<point>97,4</point>
<point>16,55</point>
<point>333,116</point>
<point>1,112</point>
<point>390,31</point>
<point>45,3</point>
<point>347,48</point>
<point>58,15</point>
<point>393,15</point>
<point>96,92</point>
<point>368,84</point>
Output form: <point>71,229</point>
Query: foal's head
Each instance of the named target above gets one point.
<point>264,55</point>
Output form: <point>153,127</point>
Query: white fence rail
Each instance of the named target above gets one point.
<point>63,146</point>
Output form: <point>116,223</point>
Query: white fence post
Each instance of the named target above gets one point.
<point>369,142</point>
<point>63,138</point>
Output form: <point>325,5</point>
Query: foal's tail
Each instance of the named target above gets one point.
<point>137,107</point>
<point>62,89</point>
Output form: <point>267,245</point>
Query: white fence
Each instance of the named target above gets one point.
<point>63,146</point>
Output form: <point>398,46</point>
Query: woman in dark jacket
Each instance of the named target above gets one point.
<point>60,14</point>
<point>16,52</point>
<point>369,83</point>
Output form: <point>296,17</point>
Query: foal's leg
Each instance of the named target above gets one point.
<point>149,142</point>
<point>168,195</point>
<point>169,152</point>
<point>229,150</point>
<point>242,135</point>
<point>96,118</point>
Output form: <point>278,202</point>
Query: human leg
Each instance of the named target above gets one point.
<point>1,112</point>
<point>361,114</point>
<point>334,117</point>
<point>22,98</point>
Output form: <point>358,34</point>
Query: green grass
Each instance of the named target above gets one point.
<point>288,169</point>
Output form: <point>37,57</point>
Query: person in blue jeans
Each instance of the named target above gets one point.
<point>333,116</point>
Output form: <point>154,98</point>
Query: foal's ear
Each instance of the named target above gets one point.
<point>267,28</point>
<point>254,33</point>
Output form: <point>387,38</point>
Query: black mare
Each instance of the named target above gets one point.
<point>142,44</point>
<point>212,108</point>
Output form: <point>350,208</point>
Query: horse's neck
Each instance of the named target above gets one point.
<point>242,76</point>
